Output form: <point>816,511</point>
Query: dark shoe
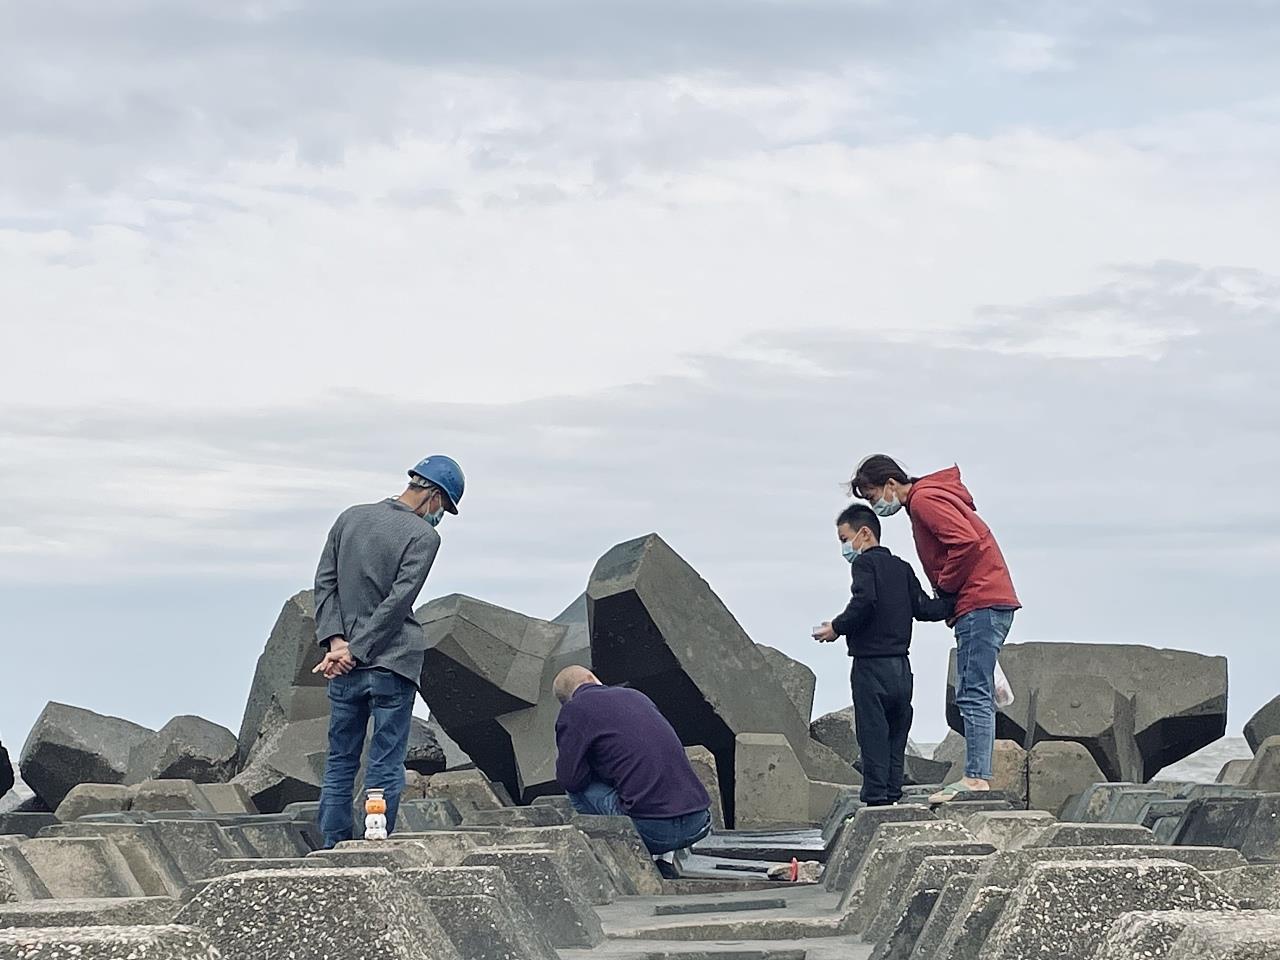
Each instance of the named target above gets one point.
<point>667,869</point>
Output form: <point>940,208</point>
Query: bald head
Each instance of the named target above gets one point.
<point>570,679</point>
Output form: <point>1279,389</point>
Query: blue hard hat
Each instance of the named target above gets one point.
<point>445,473</point>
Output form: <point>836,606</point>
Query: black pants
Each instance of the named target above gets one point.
<point>882,713</point>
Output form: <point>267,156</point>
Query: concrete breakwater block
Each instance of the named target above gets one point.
<point>574,852</point>
<point>1151,933</point>
<point>80,867</point>
<point>861,897</point>
<point>1263,724</point>
<point>445,848</point>
<point>542,881</point>
<point>851,845</point>
<point>1137,709</point>
<point>1255,887</point>
<point>889,898</point>
<point>1001,874</point>
<point>105,943</point>
<point>69,746</point>
<point>922,903</point>
<point>1094,835</point>
<point>623,854</point>
<point>488,903</point>
<point>1066,908</point>
<point>1250,824</point>
<point>150,861</point>
<point>655,623</point>
<point>317,914</point>
<point>1010,829</point>
<point>89,912</point>
<point>185,748</point>
<point>1250,936</point>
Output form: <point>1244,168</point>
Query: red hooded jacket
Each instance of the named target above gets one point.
<point>958,551</point>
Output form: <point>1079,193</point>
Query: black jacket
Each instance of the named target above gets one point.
<point>886,598</point>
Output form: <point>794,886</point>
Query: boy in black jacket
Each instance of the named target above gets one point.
<point>886,598</point>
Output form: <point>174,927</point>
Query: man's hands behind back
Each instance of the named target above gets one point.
<point>338,661</point>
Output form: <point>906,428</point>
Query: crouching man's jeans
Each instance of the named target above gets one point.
<point>387,698</point>
<point>979,636</point>
<point>660,835</point>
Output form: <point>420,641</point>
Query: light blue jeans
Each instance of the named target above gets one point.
<point>979,636</point>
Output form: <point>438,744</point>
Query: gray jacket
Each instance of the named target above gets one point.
<point>373,567</point>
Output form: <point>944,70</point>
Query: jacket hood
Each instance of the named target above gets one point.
<point>947,480</point>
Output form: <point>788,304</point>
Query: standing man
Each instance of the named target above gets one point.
<point>373,567</point>
<point>617,756</point>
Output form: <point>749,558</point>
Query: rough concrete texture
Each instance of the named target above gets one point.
<point>539,815</point>
<point>1263,724</point>
<point>271,839</point>
<point>619,848</point>
<point>455,758</point>
<point>574,850</point>
<point>425,755</point>
<point>314,914</point>
<point>228,798</point>
<point>983,901</point>
<point>837,731</point>
<point>797,680</point>
<point>1253,936</point>
<point>1255,887</point>
<point>389,854</point>
<point>1233,771</point>
<point>1093,834</point>
<point>448,848</point>
<point>771,789</point>
<point>69,745</point>
<point>105,943</point>
<point>80,867</point>
<point>1178,699</point>
<point>101,912</point>
<point>287,765</point>
<point>1264,772</point>
<point>862,898</point>
<point>1066,909</point>
<point>185,748</point>
<point>166,795</point>
<point>703,762</point>
<point>541,880</point>
<point>850,847</point>
<point>1057,771</point>
<point>283,668</point>
<point>1148,934</point>
<point>888,897</point>
<point>1127,806</point>
<point>658,625</point>
<point>196,845</point>
<point>86,799</point>
<point>1009,830</point>
<point>485,679</point>
<point>224,867</point>
<point>149,860</point>
<point>501,915</point>
<point>921,900</point>
<point>467,789</point>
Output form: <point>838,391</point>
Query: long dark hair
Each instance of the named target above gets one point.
<point>875,471</point>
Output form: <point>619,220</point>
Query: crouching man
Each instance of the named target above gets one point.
<point>619,757</point>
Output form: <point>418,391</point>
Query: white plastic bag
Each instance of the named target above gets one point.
<point>1004,692</point>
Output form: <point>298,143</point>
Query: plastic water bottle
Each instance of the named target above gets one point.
<point>375,816</point>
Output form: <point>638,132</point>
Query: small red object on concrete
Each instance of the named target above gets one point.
<point>795,870</point>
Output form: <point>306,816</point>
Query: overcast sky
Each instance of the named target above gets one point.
<point>672,265</point>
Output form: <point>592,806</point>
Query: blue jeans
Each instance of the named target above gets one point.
<point>979,636</point>
<point>660,835</point>
<point>387,698</point>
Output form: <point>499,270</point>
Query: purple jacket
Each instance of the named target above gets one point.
<point>617,736</point>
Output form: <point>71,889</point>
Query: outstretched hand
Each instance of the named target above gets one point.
<point>825,633</point>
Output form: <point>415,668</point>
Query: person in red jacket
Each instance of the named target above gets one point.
<point>961,558</point>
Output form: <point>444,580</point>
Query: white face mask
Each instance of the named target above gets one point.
<point>435,516</point>
<point>887,508</point>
